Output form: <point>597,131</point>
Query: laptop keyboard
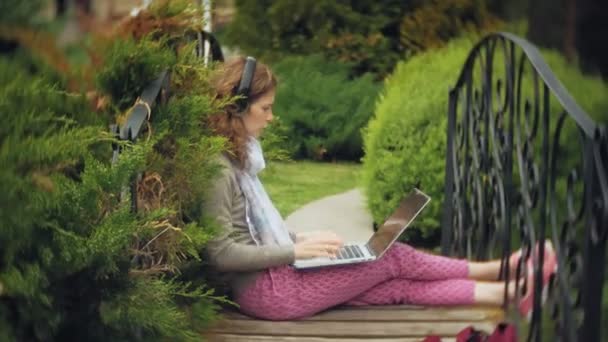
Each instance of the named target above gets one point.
<point>349,252</point>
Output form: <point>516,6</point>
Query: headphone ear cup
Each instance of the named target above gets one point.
<point>241,106</point>
<point>244,86</point>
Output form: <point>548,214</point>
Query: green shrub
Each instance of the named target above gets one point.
<point>129,66</point>
<point>405,141</point>
<point>76,262</point>
<point>370,35</point>
<point>67,267</point>
<point>435,22</point>
<point>275,142</point>
<point>349,31</point>
<point>322,108</point>
<point>19,12</point>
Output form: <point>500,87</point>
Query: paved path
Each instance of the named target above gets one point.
<point>345,213</point>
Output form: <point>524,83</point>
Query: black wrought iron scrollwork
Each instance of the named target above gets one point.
<point>525,163</point>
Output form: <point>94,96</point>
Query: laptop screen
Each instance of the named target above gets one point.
<point>407,211</point>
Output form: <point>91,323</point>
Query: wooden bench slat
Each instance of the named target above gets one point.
<point>345,329</point>
<point>441,314</point>
<point>260,338</point>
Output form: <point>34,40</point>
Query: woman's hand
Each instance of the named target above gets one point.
<point>319,244</point>
<point>318,235</point>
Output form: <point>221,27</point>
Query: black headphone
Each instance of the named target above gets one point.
<point>245,85</point>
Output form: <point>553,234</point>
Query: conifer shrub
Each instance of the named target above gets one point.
<point>435,22</point>
<point>276,143</point>
<point>322,108</point>
<point>405,141</point>
<point>372,36</point>
<point>77,262</point>
<point>19,12</point>
<point>130,65</point>
<point>361,32</point>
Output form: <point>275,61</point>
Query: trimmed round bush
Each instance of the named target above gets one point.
<point>405,141</point>
<point>322,108</point>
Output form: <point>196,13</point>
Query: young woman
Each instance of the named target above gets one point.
<point>254,249</point>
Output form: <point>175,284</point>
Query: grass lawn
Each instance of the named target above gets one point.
<point>293,184</point>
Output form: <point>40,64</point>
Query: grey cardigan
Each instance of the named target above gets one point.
<point>233,252</point>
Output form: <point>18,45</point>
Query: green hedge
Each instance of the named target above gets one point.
<point>322,109</point>
<point>371,35</point>
<point>405,141</point>
<point>19,12</point>
<point>129,66</point>
<point>76,262</point>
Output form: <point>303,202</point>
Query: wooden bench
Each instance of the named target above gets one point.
<point>389,323</point>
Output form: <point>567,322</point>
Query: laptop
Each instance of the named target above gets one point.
<point>382,239</point>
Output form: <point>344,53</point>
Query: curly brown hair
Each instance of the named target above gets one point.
<point>227,123</point>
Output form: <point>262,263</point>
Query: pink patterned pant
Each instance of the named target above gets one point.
<point>402,276</point>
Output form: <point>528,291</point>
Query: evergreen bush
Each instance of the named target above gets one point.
<point>129,66</point>
<point>322,108</point>
<point>435,22</point>
<point>405,141</point>
<point>349,31</point>
<point>275,141</point>
<point>19,12</point>
<point>76,262</point>
<point>370,35</point>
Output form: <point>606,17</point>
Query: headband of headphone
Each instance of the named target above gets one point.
<point>245,85</point>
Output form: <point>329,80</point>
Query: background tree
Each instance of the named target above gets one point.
<point>577,28</point>
<point>509,10</point>
<point>547,23</point>
<point>590,36</point>
<point>367,34</point>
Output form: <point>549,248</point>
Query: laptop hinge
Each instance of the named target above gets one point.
<point>369,250</point>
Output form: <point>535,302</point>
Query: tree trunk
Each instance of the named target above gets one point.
<point>546,23</point>
<point>61,7</point>
<point>509,9</point>
<point>570,31</point>
<point>591,32</point>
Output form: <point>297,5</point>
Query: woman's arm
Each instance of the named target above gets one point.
<point>227,252</point>
<point>228,255</point>
<point>232,256</point>
<point>232,251</point>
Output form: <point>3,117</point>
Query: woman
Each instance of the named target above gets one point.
<point>255,250</point>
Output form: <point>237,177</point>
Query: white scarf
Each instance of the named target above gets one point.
<point>265,223</point>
